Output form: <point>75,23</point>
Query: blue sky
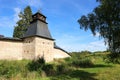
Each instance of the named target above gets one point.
<point>62,16</point>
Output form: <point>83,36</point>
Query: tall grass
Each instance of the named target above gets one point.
<point>12,68</point>
<point>81,66</point>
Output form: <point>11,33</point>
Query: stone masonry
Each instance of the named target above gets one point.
<point>36,43</point>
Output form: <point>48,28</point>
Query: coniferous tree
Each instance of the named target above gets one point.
<point>23,23</point>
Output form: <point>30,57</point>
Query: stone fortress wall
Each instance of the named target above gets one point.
<point>59,54</point>
<point>30,48</point>
<point>36,42</point>
<point>11,50</point>
<point>44,48</point>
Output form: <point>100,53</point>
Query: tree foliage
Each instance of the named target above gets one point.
<point>23,23</point>
<point>105,19</point>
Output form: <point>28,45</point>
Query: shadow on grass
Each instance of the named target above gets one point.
<point>82,75</point>
<point>75,75</point>
<point>96,66</point>
<point>101,65</point>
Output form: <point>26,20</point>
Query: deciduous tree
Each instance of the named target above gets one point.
<point>105,19</point>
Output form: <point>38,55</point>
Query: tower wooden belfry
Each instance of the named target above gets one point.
<point>38,27</point>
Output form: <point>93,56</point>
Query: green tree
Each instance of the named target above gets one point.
<point>23,23</point>
<point>105,19</point>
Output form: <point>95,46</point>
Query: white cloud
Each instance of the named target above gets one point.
<point>6,25</point>
<point>9,21</point>
<point>96,46</point>
<point>74,43</point>
<point>92,46</point>
<point>6,21</point>
<point>97,34</point>
<point>17,11</point>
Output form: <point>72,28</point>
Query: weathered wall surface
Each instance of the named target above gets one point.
<point>60,54</point>
<point>44,48</point>
<point>10,50</point>
<point>29,48</point>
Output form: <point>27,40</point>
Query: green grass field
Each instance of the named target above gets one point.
<point>61,69</point>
